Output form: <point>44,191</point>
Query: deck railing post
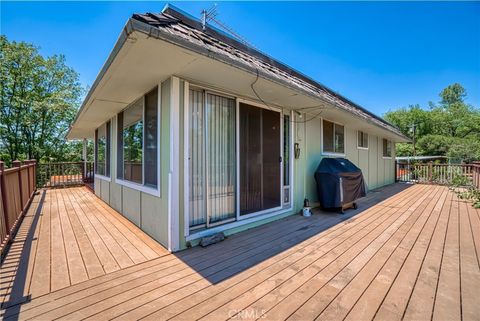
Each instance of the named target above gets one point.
<point>430,171</point>
<point>27,163</point>
<point>4,198</point>
<point>34,162</point>
<point>18,164</point>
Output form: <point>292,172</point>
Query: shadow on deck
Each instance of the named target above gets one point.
<point>244,250</point>
<point>408,251</point>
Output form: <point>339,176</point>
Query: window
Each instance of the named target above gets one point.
<point>137,141</point>
<point>362,139</point>
<point>102,150</point>
<point>333,137</point>
<point>387,148</point>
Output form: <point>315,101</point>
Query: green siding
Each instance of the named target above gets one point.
<point>148,212</point>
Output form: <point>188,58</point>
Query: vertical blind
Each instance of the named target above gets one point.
<point>211,158</point>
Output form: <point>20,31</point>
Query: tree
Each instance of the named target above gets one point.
<point>39,99</point>
<point>448,128</point>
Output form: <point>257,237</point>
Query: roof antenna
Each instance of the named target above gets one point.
<point>207,15</point>
<point>211,14</point>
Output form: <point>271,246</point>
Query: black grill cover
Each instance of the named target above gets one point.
<point>338,182</point>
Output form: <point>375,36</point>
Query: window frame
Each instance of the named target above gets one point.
<point>358,139</point>
<point>327,153</point>
<point>384,155</point>
<point>108,143</point>
<point>155,191</point>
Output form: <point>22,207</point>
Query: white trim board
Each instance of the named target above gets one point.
<point>186,148</point>
<point>228,226</point>
<point>174,170</point>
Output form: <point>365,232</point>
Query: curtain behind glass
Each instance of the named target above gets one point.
<point>211,158</point>
<point>196,152</point>
<point>220,118</point>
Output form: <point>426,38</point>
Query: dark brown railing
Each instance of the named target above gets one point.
<point>17,187</point>
<point>64,174</point>
<point>442,174</point>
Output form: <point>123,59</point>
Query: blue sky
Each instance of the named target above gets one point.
<point>382,55</point>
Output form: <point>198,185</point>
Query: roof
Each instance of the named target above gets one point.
<point>179,26</point>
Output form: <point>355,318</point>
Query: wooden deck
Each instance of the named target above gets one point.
<point>67,237</point>
<point>408,252</point>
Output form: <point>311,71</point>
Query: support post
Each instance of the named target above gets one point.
<point>84,156</point>
<point>395,169</point>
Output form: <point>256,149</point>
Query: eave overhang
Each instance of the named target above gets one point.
<point>189,60</point>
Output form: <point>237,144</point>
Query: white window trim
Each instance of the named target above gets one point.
<point>240,219</point>
<point>102,177</point>
<point>334,154</point>
<point>136,186</point>
<point>358,142</point>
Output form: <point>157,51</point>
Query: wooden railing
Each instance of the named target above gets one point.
<point>17,188</point>
<point>442,174</point>
<point>64,174</point>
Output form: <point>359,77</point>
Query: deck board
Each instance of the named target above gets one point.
<point>60,244</point>
<point>448,297</point>
<point>409,252</point>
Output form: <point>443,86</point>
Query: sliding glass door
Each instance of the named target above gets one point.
<point>212,159</point>
<point>220,146</point>
<point>260,159</point>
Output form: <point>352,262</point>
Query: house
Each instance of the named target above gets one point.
<point>197,133</point>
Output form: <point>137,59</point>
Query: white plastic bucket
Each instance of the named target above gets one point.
<point>307,211</point>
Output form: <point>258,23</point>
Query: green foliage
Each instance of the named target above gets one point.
<point>432,144</point>
<point>39,98</point>
<point>464,150</point>
<point>471,194</point>
<point>403,149</point>
<point>450,128</point>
